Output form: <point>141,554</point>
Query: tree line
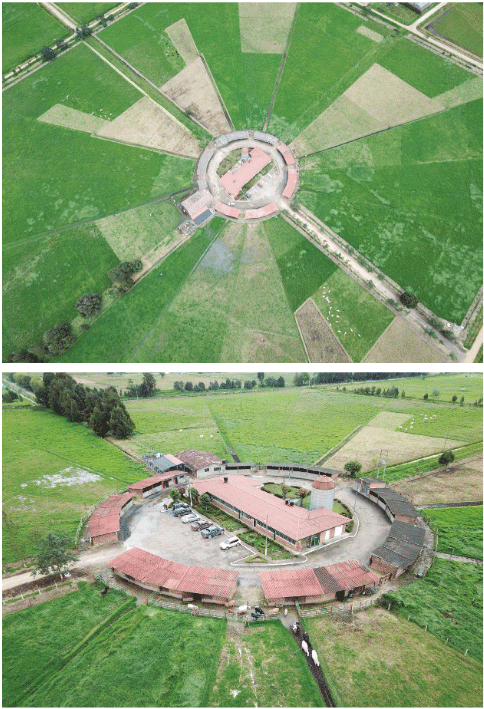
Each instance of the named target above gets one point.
<point>102,411</point>
<point>230,384</point>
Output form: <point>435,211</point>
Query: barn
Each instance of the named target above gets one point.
<point>200,463</point>
<point>399,551</point>
<point>104,523</point>
<point>181,581</point>
<point>157,483</point>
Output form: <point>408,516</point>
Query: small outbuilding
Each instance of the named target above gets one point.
<point>104,524</point>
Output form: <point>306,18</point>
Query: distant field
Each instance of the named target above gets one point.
<point>439,387</point>
<point>462,24</point>
<point>53,471</point>
<point>120,666</point>
<point>375,659</point>
<point>253,670</point>
<point>460,530</point>
<point>49,632</point>
<point>462,482</point>
<point>452,610</point>
<point>431,168</point>
<point>26,28</point>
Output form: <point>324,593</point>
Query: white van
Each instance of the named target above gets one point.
<point>229,543</point>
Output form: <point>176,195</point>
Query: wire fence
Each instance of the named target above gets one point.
<point>339,610</point>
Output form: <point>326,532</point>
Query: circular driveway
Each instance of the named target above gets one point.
<point>160,533</point>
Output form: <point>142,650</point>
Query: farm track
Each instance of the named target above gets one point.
<point>317,673</point>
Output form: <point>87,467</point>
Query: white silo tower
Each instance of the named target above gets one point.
<point>322,493</point>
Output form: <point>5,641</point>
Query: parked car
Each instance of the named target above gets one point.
<point>190,518</point>
<point>181,511</point>
<point>212,531</point>
<point>369,591</point>
<point>179,505</point>
<point>230,542</point>
<point>201,524</point>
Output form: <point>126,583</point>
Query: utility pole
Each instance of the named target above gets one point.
<point>267,516</point>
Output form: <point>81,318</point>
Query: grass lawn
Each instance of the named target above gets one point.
<point>149,657</point>
<point>27,27</point>
<point>38,445</point>
<point>417,190</point>
<point>462,24</point>
<point>253,670</point>
<point>452,610</point>
<point>85,12</point>
<point>377,659</point>
<point>37,640</point>
<point>460,530</point>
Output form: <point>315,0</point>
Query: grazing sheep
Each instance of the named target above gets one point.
<point>314,655</point>
<point>304,647</point>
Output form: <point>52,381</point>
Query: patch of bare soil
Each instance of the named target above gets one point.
<point>399,343</point>
<point>182,38</point>
<point>36,600</point>
<point>320,341</point>
<point>67,117</point>
<point>41,582</point>
<point>192,89</point>
<point>455,483</point>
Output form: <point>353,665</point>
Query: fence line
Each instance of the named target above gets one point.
<point>353,608</point>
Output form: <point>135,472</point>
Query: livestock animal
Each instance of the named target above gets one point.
<point>242,609</point>
<point>259,610</point>
<point>314,655</point>
<point>105,590</point>
<point>191,607</point>
<point>256,616</point>
<point>304,647</point>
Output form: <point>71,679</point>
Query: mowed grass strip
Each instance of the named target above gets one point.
<point>53,471</point>
<point>37,640</point>
<point>460,530</point>
<point>137,313</point>
<point>27,27</point>
<point>451,609</point>
<point>149,657</point>
<point>253,670</point>
<point>374,659</point>
<point>261,325</point>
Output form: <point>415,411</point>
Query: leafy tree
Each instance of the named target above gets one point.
<point>285,490</point>
<point>148,385</point>
<point>98,422</point>
<point>409,300</point>
<point>175,494</point>
<point>205,499</point>
<point>54,555</point>
<point>23,355</point>
<point>281,382</point>
<point>8,396</point>
<point>446,457</point>
<point>194,493</point>
<point>178,385</point>
<point>59,338</point>
<point>47,54</point>
<point>461,400</point>
<point>188,386</point>
<point>121,274</point>
<point>120,423</point>
<point>302,493</point>
<point>260,377</point>
<point>89,304</point>
<point>352,467</point>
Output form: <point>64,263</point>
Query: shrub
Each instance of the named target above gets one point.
<point>90,304</point>
<point>409,300</point>
<point>59,338</point>
<point>352,467</point>
<point>446,457</point>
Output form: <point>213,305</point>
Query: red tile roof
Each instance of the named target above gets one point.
<point>286,584</point>
<point>286,154</point>
<point>148,482</point>
<point>196,459</point>
<point>245,494</point>
<point>323,483</point>
<point>225,209</point>
<point>291,183</point>
<point>197,202</point>
<point>155,571</point>
<point>345,575</point>
<point>234,181</point>
<point>105,519</point>
<point>261,212</point>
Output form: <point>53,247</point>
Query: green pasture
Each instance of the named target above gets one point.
<point>304,268</point>
<point>42,281</point>
<point>137,315</point>
<point>462,24</point>
<point>397,11</point>
<point>38,640</point>
<point>417,189</point>
<point>452,610</point>
<point>26,28</point>
<point>263,679</point>
<point>148,657</point>
<point>325,57</point>
<point>439,387</point>
<point>375,659</point>
<point>362,317</point>
<point>40,444</point>
<point>424,465</point>
<point>425,71</point>
<point>85,12</point>
<point>460,530</point>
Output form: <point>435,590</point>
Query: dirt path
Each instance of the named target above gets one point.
<point>464,559</point>
<point>326,239</point>
<point>472,353</point>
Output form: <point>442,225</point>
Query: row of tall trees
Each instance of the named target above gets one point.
<point>103,411</point>
<point>304,379</point>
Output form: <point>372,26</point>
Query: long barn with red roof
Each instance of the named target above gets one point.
<point>104,523</point>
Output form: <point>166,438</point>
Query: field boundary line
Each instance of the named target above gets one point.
<point>167,305</point>
<point>281,68</point>
<point>340,445</point>
<point>219,95</point>
<point>143,147</point>
<point>310,299</point>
